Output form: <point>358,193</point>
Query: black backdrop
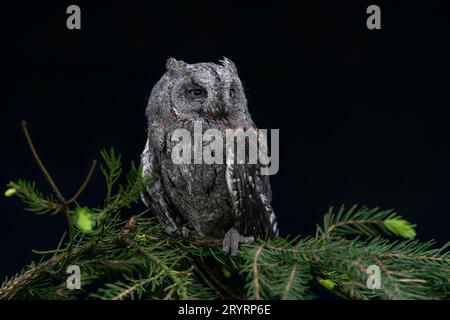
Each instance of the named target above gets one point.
<point>363,115</point>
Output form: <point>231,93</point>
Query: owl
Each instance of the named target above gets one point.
<point>229,201</point>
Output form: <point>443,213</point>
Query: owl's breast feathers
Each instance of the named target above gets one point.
<point>209,199</point>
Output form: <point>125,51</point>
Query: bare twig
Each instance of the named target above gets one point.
<point>84,184</point>
<point>41,164</point>
<point>61,199</point>
<point>109,189</point>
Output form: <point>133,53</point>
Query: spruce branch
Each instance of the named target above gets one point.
<point>367,222</point>
<point>33,199</point>
<point>135,258</point>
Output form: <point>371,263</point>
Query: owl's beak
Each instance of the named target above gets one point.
<point>224,109</point>
<point>218,111</point>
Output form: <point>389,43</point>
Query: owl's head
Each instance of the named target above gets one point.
<point>202,91</point>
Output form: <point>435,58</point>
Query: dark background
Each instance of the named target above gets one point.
<point>363,115</point>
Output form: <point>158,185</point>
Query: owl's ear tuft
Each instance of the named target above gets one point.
<point>227,63</point>
<point>173,64</point>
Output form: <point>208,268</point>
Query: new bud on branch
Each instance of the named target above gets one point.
<point>10,192</point>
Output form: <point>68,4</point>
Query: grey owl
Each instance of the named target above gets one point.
<point>229,201</point>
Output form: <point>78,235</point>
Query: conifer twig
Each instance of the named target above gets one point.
<point>352,222</point>
<point>255,271</point>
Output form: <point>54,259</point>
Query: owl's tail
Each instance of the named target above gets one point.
<point>210,273</point>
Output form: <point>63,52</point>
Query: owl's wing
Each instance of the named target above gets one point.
<point>154,197</point>
<point>252,196</point>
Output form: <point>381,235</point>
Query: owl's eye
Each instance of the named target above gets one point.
<point>197,93</point>
<point>232,93</point>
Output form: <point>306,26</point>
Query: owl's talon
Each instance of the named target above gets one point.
<point>246,240</point>
<point>170,229</point>
<point>231,241</point>
<point>185,232</point>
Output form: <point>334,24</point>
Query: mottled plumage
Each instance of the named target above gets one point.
<point>232,201</point>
